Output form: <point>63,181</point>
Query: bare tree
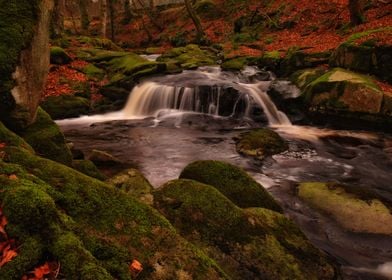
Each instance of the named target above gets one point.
<point>356,8</point>
<point>200,36</point>
<point>104,17</point>
<point>84,19</point>
<point>57,27</point>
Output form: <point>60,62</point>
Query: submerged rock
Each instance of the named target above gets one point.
<point>353,209</point>
<point>260,143</point>
<point>231,181</point>
<point>248,244</point>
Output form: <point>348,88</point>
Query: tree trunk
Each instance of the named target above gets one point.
<point>84,20</point>
<point>111,18</point>
<point>356,8</point>
<point>127,12</point>
<point>104,17</point>
<point>57,25</point>
<point>200,36</point>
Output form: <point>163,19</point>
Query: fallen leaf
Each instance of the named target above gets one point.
<point>3,223</point>
<point>8,255</point>
<point>136,267</point>
<point>41,271</point>
<point>2,145</point>
<point>13,177</point>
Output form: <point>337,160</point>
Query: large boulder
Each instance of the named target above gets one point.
<point>362,52</point>
<point>92,229</point>
<point>231,181</point>
<point>343,90</point>
<point>353,209</point>
<point>24,59</point>
<point>247,243</point>
<point>59,56</point>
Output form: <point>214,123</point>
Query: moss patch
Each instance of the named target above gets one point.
<point>246,243</point>
<point>235,64</point>
<point>59,56</point>
<point>47,140</point>
<point>88,167</point>
<point>347,208</point>
<point>66,106</point>
<point>231,181</point>
<point>260,143</point>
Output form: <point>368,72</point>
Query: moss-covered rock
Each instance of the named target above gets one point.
<point>91,228</point>
<point>93,72</point>
<point>47,140</point>
<point>260,143</point>
<point>302,78</point>
<point>248,244</point>
<point>133,182</point>
<point>231,181</point>
<point>189,57</point>
<point>66,106</point>
<point>355,211</point>
<point>59,56</point>
<point>88,167</point>
<point>343,90</point>
<point>237,63</point>
<point>366,55</point>
<point>99,43</point>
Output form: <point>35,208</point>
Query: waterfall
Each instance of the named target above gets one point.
<point>202,92</point>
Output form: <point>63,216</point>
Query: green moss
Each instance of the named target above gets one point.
<point>348,209</point>
<point>245,243</point>
<point>272,55</point>
<point>232,182</point>
<point>46,139</point>
<point>235,64</point>
<point>133,182</point>
<point>17,23</point>
<point>91,228</point>
<point>304,77</point>
<point>100,43</point>
<point>10,138</point>
<point>88,167</point>
<point>93,72</point>
<point>360,35</point>
<point>59,56</point>
<point>66,106</point>
<point>189,57</point>
<point>260,143</point>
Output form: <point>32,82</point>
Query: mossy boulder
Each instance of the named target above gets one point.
<point>66,106</point>
<point>93,72</point>
<point>354,210</point>
<point>302,78</point>
<point>47,140</point>
<point>343,90</point>
<point>231,181</point>
<point>88,167</point>
<point>260,143</point>
<point>236,64</point>
<point>247,244</point>
<point>363,52</point>
<point>189,57</point>
<point>59,56</point>
<point>99,43</point>
<point>133,182</point>
<point>91,228</point>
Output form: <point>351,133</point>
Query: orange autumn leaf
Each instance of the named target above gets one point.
<point>41,271</point>
<point>136,267</point>
<point>8,255</point>
<point>2,145</point>
<point>13,177</point>
<point>3,223</point>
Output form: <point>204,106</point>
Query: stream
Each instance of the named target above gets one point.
<point>171,121</point>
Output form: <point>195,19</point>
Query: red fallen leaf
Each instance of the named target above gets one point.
<point>2,145</point>
<point>8,255</point>
<point>13,177</point>
<point>136,267</point>
<point>3,223</point>
<point>41,271</point>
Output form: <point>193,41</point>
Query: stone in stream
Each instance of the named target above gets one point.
<point>231,181</point>
<point>253,243</point>
<point>66,106</point>
<point>260,143</point>
<point>355,209</point>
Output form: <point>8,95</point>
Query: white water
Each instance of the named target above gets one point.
<point>167,96</point>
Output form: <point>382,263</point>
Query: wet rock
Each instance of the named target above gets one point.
<point>59,56</point>
<point>367,56</point>
<point>343,90</point>
<point>248,244</point>
<point>232,182</point>
<point>66,106</point>
<point>260,143</point>
<point>354,209</point>
<point>133,182</point>
<point>101,158</point>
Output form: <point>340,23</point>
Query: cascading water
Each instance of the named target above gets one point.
<point>206,91</point>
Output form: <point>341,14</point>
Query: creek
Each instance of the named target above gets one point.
<point>171,121</point>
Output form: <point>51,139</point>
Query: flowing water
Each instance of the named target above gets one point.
<point>172,120</point>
